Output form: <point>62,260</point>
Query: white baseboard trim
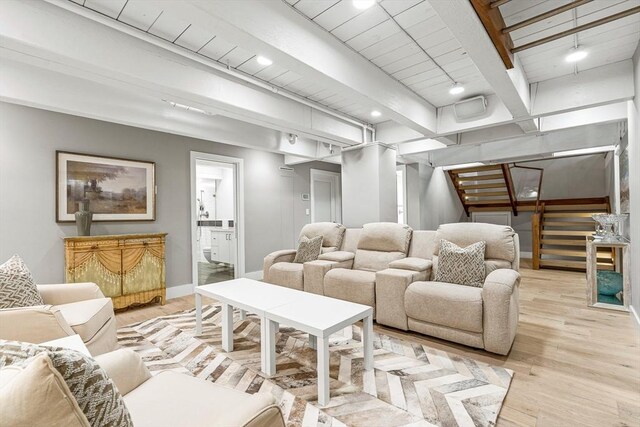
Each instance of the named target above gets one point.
<point>526,255</point>
<point>634,313</point>
<point>255,275</point>
<point>179,291</point>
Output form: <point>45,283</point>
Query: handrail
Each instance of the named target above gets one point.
<point>506,171</point>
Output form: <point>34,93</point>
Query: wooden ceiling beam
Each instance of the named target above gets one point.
<point>493,23</point>
<point>543,16</point>
<point>577,29</point>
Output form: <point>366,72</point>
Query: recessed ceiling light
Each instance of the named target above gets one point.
<point>576,54</point>
<point>363,4</point>
<point>263,60</point>
<point>376,113</point>
<point>456,89</point>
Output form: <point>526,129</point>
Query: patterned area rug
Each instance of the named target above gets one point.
<point>411,385</point>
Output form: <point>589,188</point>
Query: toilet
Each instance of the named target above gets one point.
<point>207,253</point>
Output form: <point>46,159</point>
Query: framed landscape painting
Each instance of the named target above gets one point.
<point>116,189</point>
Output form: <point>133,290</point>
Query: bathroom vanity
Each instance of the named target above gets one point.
<point>223,245</point>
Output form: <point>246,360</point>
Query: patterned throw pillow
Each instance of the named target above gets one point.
<point>16,285</point>
<point>96,394</point>
<point>308,249</point>
<point>462,266</point>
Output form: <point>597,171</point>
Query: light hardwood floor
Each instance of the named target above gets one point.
<point>574,365</point>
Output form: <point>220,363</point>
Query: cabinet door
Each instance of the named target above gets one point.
<point>143,271</point>
<point>100,267</point>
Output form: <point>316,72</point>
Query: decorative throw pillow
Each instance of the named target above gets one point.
<point>16,285</point>
<point>37,395</point>
<point>96,394</point>
<point>308,249</point>
<point>462,266</point>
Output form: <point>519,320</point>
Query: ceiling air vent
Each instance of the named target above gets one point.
<point>470,108</point>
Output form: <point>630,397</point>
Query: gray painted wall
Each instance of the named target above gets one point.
<point>439,202</point>
<point>28,141</point>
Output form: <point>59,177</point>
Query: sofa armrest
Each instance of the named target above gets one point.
<point>501,309</point>
<point>413,264</point>
<point>33,324</point>
<point>391,285</point>
<point>67,293</point>
<point>337,256</point>
<point>125,368</point>
<point>286,255</point>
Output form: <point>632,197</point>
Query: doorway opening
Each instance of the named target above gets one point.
<point>217,249</point>
<point>326,199</point>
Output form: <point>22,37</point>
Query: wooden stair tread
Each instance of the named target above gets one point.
<point>574,253</point>
<point>490,208</point>
<point>578,265</point>
<point>568,214</point>
<point>486,193</point>
<point>566,233</point>
<point>582,207</point>
<point>481,186</point>
<point>569,224</point>
<point>488,202</point>
<point>564,242</point>
<point>476,169</point>
<point>486,177</point>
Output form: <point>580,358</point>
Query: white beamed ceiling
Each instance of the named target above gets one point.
<point>378,38</point>
<point>369,32</point>
<point>608,43</point>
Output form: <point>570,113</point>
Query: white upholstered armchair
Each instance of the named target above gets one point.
<point>77,308</point>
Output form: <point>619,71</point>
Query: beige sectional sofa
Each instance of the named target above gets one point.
<point>77,308</point>
<point>392,268</point>
<point>175,399</point>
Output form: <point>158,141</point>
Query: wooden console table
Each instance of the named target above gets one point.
<point>129,268</point>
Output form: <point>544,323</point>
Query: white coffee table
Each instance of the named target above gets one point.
<point>246,295</point>
<point>317,315</point>
<point>320,317</point>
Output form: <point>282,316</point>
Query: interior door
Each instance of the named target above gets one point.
<point>326,204</point>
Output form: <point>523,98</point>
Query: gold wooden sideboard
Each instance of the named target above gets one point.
<point>129,268</point>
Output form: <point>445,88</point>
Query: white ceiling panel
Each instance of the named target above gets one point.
<point>313,8</point>
<point>140,14</point>
<point>111,8</point>
<point>611,42</point>
<point>168,27</point>
<point>361,23</point>
<point>194,38</point>
<point>217,48</point>
<point>236,57</point>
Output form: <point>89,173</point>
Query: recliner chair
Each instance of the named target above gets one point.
<point>379,244</point>
<point>279,268</point>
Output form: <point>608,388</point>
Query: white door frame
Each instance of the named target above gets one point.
<point>239,220</point>
<point>403,168</point>
<point>336,204</point>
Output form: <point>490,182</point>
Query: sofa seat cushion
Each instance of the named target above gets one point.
<point>351,285</point>
<point>87,317</point>
<point>175,399</point>
<point>446,304</point>
<point>287,274</point>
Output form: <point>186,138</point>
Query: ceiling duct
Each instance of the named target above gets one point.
<point>470,108</point>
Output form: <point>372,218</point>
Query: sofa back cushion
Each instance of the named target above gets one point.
<point>423,243</point>
<point>332,234</point>
<point>380,243</point>
<point>500,240</point>
<point>350,241</point>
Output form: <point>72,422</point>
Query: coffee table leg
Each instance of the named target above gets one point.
<point>243,314</point>
<point>198,314</point>
<point>227,327</point>
<point>367,341</point>
<point>313,341</point>
<point>269,354</point>
<point>323,371</point>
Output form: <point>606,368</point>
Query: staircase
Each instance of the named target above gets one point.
<point>560,228</point>
<point>485,188</point>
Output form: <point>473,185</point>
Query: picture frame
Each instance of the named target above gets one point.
<point>117,189</point>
